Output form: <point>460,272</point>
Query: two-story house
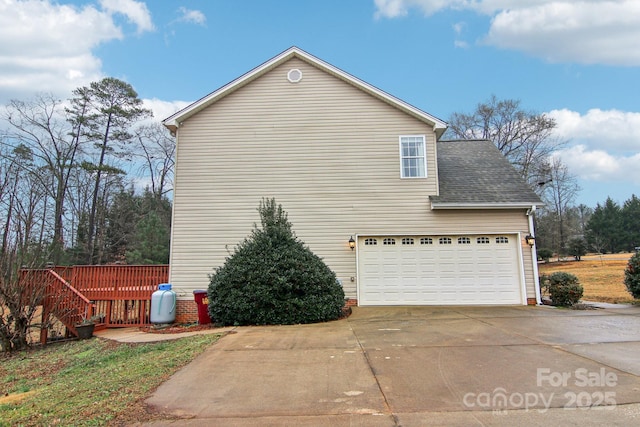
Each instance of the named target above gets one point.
<point>401,217</point>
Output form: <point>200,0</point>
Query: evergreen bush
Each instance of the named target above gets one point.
<point>577,248</point>
<point>545,254</point>
<point>273,278</point>
<point>564,288</point>
<point>632,275</point>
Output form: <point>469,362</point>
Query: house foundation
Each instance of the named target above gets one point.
<point>186,311</point>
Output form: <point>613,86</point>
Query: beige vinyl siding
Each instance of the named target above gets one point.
<point>328,152</point>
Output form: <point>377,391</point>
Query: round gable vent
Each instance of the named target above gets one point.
<point>294,75</point>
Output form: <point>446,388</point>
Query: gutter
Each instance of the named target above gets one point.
<point>534,255</point>
<point>454,205</point>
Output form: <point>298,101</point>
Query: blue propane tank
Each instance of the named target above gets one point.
<point>163,304</point>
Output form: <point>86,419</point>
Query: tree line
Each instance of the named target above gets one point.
<point>68,170</point>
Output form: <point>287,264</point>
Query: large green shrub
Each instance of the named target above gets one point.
<point>632,275</point>
<point>564,288</point>
<point>273,278</point>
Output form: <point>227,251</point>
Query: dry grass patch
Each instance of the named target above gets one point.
<point>601,276</point>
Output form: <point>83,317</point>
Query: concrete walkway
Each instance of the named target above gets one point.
<point>383,366</point>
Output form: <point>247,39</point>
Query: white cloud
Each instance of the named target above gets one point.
<point>614,129</point>
<point>48,47</point>
<point>191,16</point>
<point>136,12</point>
<point>397,8</point>
<point>459,28</point>
<point>604,144</point>
<point>587,31</point>
<point>604,32</point>
<point>163,109</point>
<point>600,165</point>
<point>391,8</point>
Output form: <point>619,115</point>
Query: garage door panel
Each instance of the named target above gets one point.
<point>430,270</point>
<point>467,267</point>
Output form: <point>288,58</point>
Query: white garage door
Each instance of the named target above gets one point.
<point>439,270</point>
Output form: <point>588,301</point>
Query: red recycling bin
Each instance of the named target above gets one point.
<point>202,301</point>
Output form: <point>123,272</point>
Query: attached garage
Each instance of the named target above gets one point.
<point>440,270</point>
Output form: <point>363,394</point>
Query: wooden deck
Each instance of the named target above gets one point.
<point>119,295</point>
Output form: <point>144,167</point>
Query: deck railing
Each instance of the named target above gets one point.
<point>118,282</point>
<point>119,294</point>
<point>58,299</point>
<point>122,293</point>
<point>65,302</point>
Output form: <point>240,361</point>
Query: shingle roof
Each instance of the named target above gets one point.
<point>475,174</point>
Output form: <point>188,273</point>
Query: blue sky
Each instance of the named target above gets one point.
<point>577,61</point>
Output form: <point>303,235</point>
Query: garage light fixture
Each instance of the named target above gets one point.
<point>352,243</point>
<point>530,240</point>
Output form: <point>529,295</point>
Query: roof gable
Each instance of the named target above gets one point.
<point>173,122</point>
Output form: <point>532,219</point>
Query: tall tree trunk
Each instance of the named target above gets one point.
<point>94,201</point>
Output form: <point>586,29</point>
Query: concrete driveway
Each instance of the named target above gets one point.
<point>390,366</point>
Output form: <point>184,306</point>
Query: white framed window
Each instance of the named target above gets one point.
<point>464,241</point>
<point>413,156</point>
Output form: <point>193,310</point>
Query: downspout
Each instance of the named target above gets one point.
<point>534,256</point>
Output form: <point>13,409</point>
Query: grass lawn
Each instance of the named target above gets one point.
<point>602,276</point>
<point>92,382</point>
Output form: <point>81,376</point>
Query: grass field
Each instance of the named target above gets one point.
<point>602,276</point>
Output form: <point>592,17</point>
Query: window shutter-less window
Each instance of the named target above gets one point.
<point>413,157</point>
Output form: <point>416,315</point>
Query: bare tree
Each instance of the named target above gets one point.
<point>54,142</point>
<point>19,305</point>
<point>525,138</point>
<point>157,149</point>
<point>23,206</point>
<point>10,168</point>
<point>61,163</point>
<point>559,196</point>
<point>24,209</point>
<point>80,190</point>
